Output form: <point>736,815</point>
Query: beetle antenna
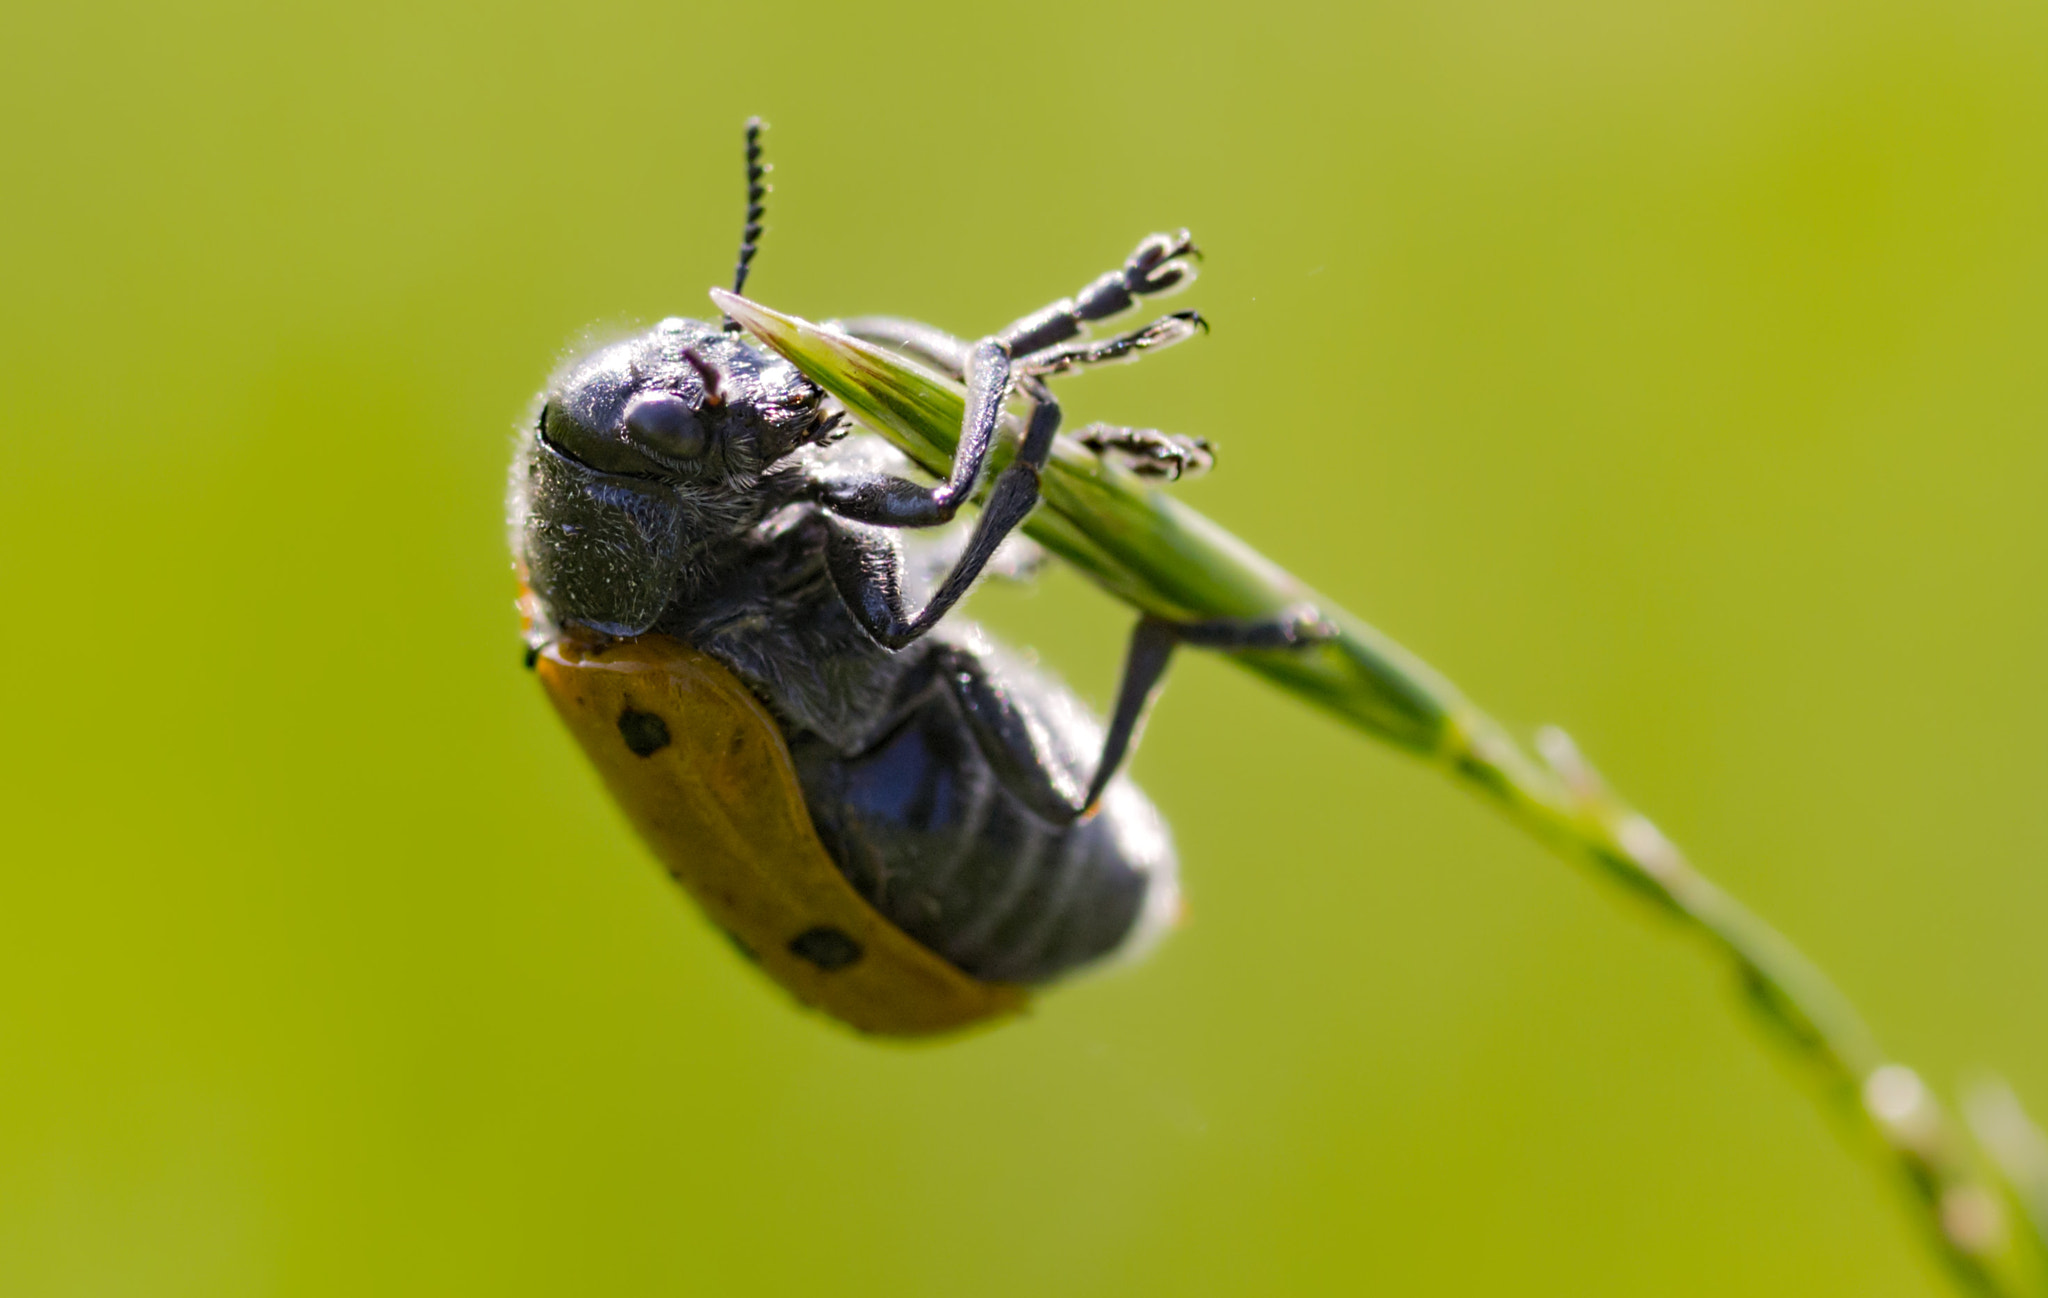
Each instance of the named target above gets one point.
<point>750,233</point>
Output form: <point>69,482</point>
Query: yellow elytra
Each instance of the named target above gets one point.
<point>702,772</point>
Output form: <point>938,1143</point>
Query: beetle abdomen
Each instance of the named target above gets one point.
<point>928,834</point>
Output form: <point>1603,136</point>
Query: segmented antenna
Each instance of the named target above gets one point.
<point>757,191</point>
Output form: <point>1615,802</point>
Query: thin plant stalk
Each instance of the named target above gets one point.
<point>1163,558</point>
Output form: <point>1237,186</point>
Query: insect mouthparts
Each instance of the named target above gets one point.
<point>714,392</point>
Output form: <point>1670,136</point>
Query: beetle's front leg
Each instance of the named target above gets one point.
<point>1163,332</point>
<point>1159,264</point>
<point>948,354</point>
<point>868,570</point>
<point>1043,342</point>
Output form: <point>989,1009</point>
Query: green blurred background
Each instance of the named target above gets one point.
<point>1672,372</point>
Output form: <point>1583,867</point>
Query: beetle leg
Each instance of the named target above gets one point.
<point>1299,627</point>
<point>914,338</point>
<point>948,354</point>
<point>889,501</point>
<point>1148,452</point>
<point>1159,264</point>
<point>929,556</point>
<point>867,568</point>
<point>1041,776</point>
<point>1153,641</point>
<point>1163,332</point>
<point>1006,742</point>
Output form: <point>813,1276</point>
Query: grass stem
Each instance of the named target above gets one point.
<point>1987,1217</point>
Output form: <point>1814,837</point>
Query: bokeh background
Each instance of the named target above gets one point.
<point>1673,372</point>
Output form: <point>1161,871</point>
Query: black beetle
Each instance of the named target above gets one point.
<point>687,488</point>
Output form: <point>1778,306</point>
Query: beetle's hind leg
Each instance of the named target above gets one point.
<point>1153,641</point>
<point>1055,793</point>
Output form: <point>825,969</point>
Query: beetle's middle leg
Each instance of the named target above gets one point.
<point>867,569</point>
<point>1148,452</point>
<point>929,556</point>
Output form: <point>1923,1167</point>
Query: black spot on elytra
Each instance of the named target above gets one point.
<point>644,733</point>
<point>825,947</point>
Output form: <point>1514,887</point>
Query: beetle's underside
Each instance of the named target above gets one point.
<point>691,499</point>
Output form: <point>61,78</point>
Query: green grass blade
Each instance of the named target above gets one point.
<point>1139,543</point>
<point>1161,557</point>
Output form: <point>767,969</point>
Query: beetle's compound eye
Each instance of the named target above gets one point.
<point>663,423</point>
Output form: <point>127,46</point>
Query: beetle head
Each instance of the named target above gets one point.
<point>687,403</point>
<point>648,457</point>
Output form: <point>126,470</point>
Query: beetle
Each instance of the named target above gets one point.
<point>902,823</point>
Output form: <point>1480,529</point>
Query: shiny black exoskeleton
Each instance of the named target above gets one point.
<point>688,482</point>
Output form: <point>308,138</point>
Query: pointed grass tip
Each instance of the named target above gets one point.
<point>757,318</point>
